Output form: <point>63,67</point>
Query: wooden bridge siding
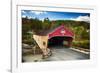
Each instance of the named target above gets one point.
<point>40,40</point>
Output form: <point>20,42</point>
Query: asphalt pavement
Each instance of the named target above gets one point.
<point>62,54</point>
<point>58,54</point>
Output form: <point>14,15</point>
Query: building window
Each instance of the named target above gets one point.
<point>44,43</point>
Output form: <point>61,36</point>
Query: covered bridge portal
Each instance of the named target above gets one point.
<point>60,36</point>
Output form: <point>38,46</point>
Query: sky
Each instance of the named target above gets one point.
<point>56,15</point>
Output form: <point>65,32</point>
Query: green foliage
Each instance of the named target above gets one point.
<point>36,24</point>
<point>28,41</point>
<point>25,28</point>
<point>86,34</point>
<point>83,44</point>
<point>46,24</point>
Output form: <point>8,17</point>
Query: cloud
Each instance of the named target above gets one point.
<point>30,14</point>
<point>82,18</point>
<point>29,17</point>
<point>23,11</point>
<point>38,12</point>
<point>23,16</point>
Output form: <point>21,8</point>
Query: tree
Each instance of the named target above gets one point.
<point>78,32</point>
<point>46,24</point>
<point>36,25</point>
<point>86,34</point>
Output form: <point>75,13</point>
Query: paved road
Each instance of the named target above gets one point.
<point>58,54</point>
<point>61,54</point>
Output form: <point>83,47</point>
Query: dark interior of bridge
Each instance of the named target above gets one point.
<point>59,41</point>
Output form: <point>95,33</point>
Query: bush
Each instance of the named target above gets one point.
<point>83,44</point>
<point>30,42</point>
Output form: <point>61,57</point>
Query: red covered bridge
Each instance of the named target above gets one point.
<point>58,36</point>
<point>61,36</point>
